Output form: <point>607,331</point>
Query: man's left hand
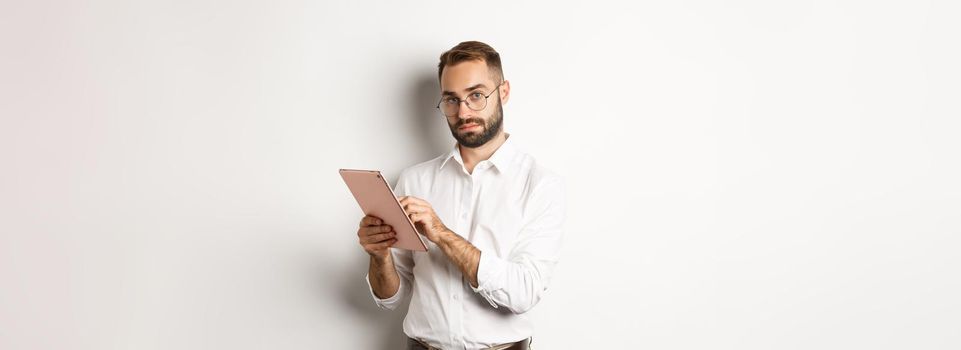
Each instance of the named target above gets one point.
<point>424,217</point>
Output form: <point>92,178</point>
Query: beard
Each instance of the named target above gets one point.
<point>474,139</point>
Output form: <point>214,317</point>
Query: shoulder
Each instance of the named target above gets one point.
<point>534,171</point>
<point>536,176</point>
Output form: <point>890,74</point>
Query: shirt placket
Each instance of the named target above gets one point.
<point>464,217</point>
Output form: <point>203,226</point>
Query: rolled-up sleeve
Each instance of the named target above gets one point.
<point>519,281</point>
<point>403,261</point>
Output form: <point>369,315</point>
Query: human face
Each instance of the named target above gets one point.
<point>469,127</point>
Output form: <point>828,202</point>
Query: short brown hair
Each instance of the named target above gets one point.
<point>472,51</point>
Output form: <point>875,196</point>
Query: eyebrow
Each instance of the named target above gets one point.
<point>474,87</point>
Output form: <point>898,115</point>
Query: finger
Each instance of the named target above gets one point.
<point>417,218</point>
<point>380,237</point>
<point>381,245</point>
<point>423,204</point>
<point>414,200</point>
<point>370,220</point>
<point>372,230</point>
<point>414,208</point>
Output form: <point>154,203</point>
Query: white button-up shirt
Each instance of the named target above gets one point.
<point>512,210</point>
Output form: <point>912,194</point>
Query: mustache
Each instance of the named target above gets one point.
<point>477,121</point>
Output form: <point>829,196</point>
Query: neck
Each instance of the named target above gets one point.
<point>472,156</point>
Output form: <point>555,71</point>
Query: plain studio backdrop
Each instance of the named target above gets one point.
<point>741,174</point>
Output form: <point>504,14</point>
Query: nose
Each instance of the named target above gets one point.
<point>463,111</point>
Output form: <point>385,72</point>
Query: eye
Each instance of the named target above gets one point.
<point>476,96</point>
<point>451,100</point>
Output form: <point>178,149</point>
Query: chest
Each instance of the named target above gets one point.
<point>486,210</point>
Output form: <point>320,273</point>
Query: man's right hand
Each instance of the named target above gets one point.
<point>375,237</point>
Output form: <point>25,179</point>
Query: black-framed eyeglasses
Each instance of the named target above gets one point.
<point>450,105</point>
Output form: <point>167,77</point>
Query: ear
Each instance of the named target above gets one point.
<point>505,91</point>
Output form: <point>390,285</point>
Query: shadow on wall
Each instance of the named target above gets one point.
<point>428,123</point>
<point>429,127</point>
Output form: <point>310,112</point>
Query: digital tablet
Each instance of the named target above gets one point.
<point>376,198</point>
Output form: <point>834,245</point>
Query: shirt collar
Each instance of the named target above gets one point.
<point>502,158</point>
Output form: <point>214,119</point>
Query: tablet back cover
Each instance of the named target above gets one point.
<point>376,198</point>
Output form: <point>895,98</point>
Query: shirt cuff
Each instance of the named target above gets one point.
<point>490,268</point>
<point>389,303</point>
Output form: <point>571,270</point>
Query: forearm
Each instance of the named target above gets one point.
<point>383,277</point>
<point>462,253</point>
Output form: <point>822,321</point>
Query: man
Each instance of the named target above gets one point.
<point>492,217</point>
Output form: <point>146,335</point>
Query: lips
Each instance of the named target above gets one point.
<point>469,127</point>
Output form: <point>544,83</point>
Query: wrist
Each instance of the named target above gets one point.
<point>380,260</point>
<point>445,237</point>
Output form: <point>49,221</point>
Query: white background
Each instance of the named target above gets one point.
<point>742,174</point>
